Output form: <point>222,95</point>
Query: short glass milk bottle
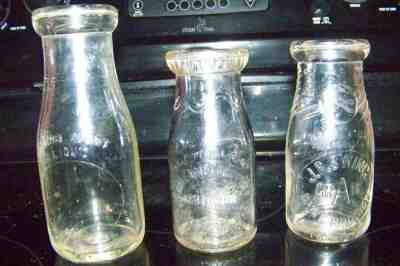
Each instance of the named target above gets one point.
<point>211,151</point>
<point>330,143</point>
<point>87,147</point>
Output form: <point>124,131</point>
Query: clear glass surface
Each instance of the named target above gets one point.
<point>86,146</point>
<point>211,152</point>
<point>245,256</point>
<point>139,257</point>
<point>330,143</point>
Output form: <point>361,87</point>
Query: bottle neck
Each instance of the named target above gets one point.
<point>333,90</point>
<point>209,89</point>
<point>82,59</point>
<point>330,77</point>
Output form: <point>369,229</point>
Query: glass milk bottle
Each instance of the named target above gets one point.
<point>87,148</point>
<point>211,151</point>
<point>330,143</point>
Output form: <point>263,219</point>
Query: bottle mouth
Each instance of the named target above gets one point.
<point>206,60</point>
<point>54,20</point>
<point>330,50</point>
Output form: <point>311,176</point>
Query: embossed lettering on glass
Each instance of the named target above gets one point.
<point>87,148</point>
<point>211,151</point>
<point>330,143</point>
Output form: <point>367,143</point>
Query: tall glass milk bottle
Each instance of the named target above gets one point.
<point>86,145</point>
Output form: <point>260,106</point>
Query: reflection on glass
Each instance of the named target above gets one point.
<point>87,147</point>
<point>139,257</point>
<point>330,143</point>
<point>211,152</point>
<point>245,256</point>
<point>302,253</point>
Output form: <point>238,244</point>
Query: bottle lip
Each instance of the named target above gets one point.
<point>206,60</point>
<point>330,50</point>
<point>63,19</point>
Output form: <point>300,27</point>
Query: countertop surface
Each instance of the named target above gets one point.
<point>24,239</point>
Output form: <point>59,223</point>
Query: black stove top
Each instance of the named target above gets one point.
<point>24,239</point>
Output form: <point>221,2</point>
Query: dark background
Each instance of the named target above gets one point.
<point>269,79</point>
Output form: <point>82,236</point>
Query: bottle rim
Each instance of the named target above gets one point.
<point>63,19</point>
<point>61,10</point>
<point>206,60</point>
<point>330,50</point>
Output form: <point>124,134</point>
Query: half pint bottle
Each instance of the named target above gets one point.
<point>330,143</point>
<point>211,151</point>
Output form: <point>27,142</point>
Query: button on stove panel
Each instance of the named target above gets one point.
<point>250,3</point>
<point>211,4</point>
<point>197,4</point>
<point>184,5</point>
<point>138,5</point>
<point>157,8</point>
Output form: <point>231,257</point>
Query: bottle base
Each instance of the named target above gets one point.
<point>210,237</point>
<point>324,235</point>
<point>97,243</point>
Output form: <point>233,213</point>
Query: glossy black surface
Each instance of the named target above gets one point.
<point>268,99</point>
<point>24,239</point>
<point>140,43</point>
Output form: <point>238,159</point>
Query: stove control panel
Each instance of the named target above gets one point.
<point>157,8</point>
